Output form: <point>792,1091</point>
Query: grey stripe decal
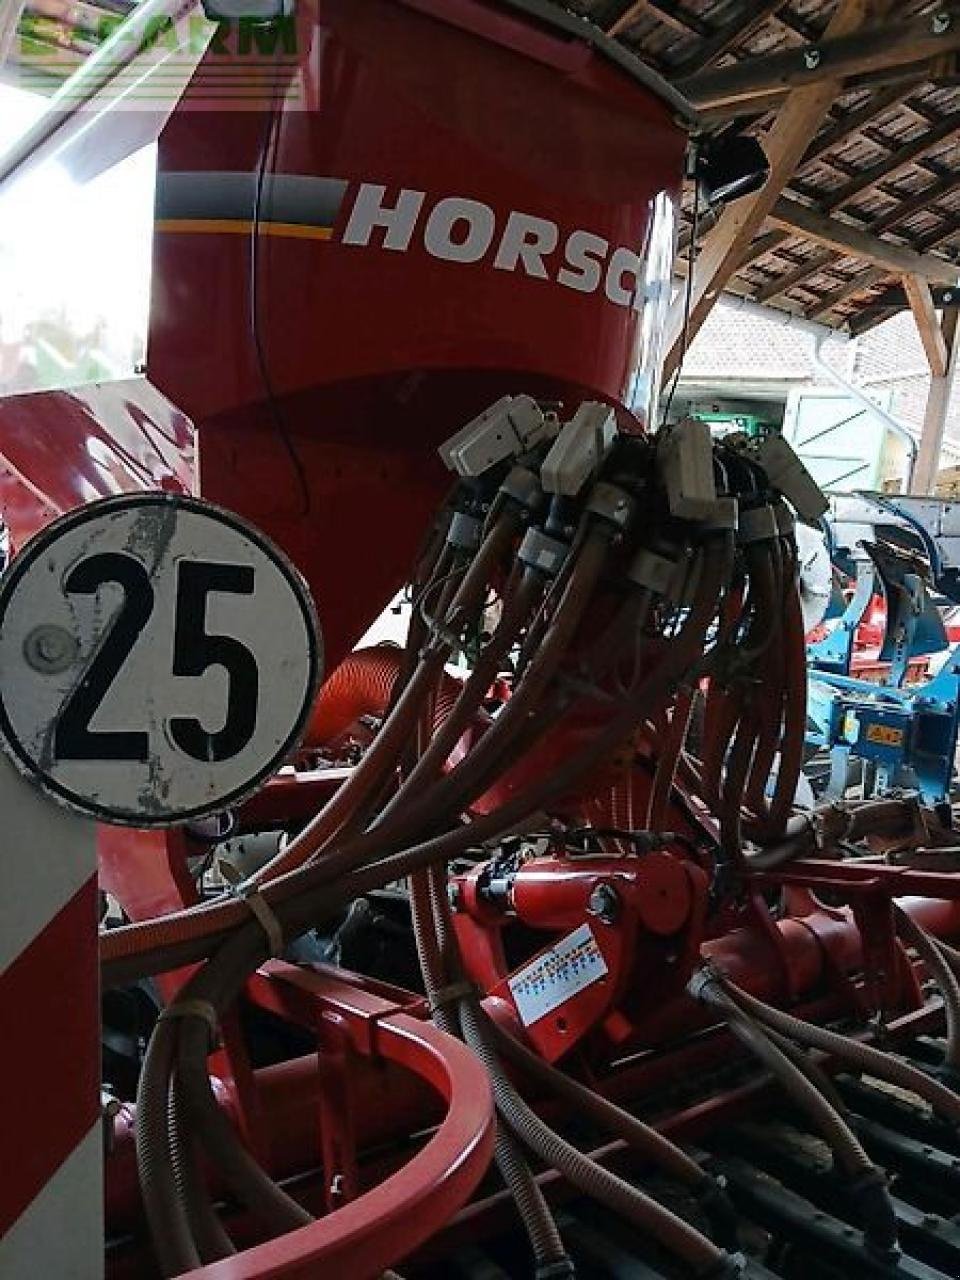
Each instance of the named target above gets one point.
<point>297,198</point>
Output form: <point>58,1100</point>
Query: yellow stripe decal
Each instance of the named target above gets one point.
<point>229,226</point>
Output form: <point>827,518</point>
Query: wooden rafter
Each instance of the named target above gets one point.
<point>854,122</point>
<point>894,298</point>
<point>796,25</point>
<point>811,220</point>
<point>850,240</point>
<point>873,276</point>
<point>906,78</point>
<point>830,301</point>
<point>767,243</point>
<point>901,157</point>
<point>679,20</point>
<point>747,19</point>
<point>904,157</point>
<point>724,248</point>
<point>803,271</point>
<point>683,23</point>
<point>813,194</point>
<point>837,57</point>
<point>900,213</point>
<point>617,22</point>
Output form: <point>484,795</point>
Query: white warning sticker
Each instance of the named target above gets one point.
<point>575,962</point>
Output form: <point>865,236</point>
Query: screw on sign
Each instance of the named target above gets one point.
<point>158,659</point>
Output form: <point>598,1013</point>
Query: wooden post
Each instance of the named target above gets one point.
<point>920,298</point>
<point>935,417</point>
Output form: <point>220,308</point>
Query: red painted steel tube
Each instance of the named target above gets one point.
<point>387,1103</point>
<point>388,1222</point>
<point>938,916</point>
<point>810,948</point>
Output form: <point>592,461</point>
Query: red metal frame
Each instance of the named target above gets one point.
<point>809,947</point>
<point>383,1225</point>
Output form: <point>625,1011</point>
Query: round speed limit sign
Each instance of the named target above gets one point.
<point>158,659</point>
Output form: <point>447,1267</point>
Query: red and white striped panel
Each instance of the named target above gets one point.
<point>51,1186</point>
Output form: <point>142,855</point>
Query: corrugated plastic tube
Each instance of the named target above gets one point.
<point>867,1182</point>
<point>862,1056</point>
<point>942,974</point>
<point>593,1179</point>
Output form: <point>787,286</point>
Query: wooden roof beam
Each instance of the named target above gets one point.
<point>907,78</point>
<point>855,121</point>
<point>865,280</point>
<point>617,23</point>
<point>803,271</point>
<point>928,324</point>
<point>868,319</point>
<point>725,246</point>
<point>745,21</point>
<point>684,23</point>
<point>835,58</point>
<point>796,25</point>
<point>860,284</point>
<point>851,241</point>
<point>905,155</point>
<point>902,212</point>
<point>894,298</point>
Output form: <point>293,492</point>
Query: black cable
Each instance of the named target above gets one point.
<point>270,140</point>
<point>688,291</point>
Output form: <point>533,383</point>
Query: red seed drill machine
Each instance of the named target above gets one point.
<point>511,955</point>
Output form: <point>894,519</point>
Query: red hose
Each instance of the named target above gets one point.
<point>360,686</point>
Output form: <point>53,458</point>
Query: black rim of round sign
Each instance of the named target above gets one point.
<point>39,544</point>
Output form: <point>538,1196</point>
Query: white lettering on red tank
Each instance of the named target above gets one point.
<point>527,240</point>
<point>458,229</point>
<point>397,220</point>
